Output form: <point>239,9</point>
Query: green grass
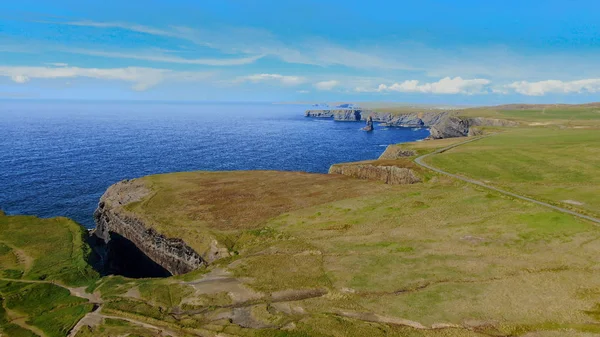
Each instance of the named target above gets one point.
<point>164,294</point>
<point>58,322</point>
<point>113,327</point>
<point>45,249</point>
<point>48,307</point>
<point>14,330</point>
<point>559,166</point>
<point>10,329</point>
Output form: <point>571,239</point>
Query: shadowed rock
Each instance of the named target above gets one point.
<point>369,126</point>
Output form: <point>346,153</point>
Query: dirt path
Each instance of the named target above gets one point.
<point>22,257</point>
<point>92,319</point>
<point>420,162</point>
<point>21,320</point>
<point>77,292</point>
<point>163,331</point>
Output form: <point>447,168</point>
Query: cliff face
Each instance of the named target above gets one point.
<point>342,115</point>
<point>319,113</point>
<point>480,121</point>
<point>111,217</point>
<point>449,127</point>
<point>395,152</point>
<point>392,175</point>
<point>414,119</point>
<point>443,124</point>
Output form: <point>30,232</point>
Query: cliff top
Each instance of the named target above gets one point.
<point>194,204</point>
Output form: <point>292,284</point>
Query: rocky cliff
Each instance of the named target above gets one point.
<point>414,119</point>
<point>395,151</point>
<point>342,115</point>
<point>449,127</point>
<point>369,126</point>
<point>480,121</point>
<point>111,217</point>
<point>443,124</point>
<point>386,172</point>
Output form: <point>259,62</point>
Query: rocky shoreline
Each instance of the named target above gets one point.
<point>442,124</point>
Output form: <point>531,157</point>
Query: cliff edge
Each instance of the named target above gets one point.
<point>112,217</point>
<point>392,172</point>
<point>442,124</point>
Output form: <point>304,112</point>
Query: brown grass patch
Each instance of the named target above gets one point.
<point>243,199</point>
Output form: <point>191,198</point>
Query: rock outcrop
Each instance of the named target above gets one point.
<point>413,119</point>
<point>443,124</point>
<point>319,113</point>
<point>369,126</point>
<point>449,127</point>
<point>481,121</point>
<point>112,217</point>
<point>342,115</point>
<point>394,152</point>
<point>389,174</point>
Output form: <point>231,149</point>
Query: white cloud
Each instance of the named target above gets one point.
<point>141,78</point>
<point>57,64</point>
<point>327,85</point>
<point>259,43</point>
<point>555,87</point>
<point>121,25</point>
<point>283,79</point>
<point>20,78</point>
<point>158,57</point>
<point>447,85</point>
<point>496,61</point>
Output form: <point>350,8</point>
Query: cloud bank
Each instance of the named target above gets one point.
<point>447,85</point>
<point>542,88</point>
<point>283,79</point>
<point>141,78</point>
<point>327,85</point>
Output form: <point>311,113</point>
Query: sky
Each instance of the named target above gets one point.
<point>450,52</point>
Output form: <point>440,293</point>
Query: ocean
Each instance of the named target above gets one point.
<point>58,157</point>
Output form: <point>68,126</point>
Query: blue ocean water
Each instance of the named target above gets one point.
<point>57,158</point>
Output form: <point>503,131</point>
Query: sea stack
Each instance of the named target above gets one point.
<point>369,126</point>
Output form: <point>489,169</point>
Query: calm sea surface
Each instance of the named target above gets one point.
<point>57,158</point>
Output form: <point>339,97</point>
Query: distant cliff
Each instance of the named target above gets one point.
<point>342,115</point>
<point>442,124</point>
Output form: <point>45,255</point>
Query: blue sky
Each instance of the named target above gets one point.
<point>458,52</point>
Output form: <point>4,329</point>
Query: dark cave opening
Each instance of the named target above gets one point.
<point>122,257</point>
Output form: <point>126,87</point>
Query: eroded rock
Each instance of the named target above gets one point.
<point>450,127</point>
<point>395,152</point>
<point>172,254</point>
<point>392,175</point>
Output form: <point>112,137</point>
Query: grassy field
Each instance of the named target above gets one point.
<point>35,253</point>
<point>44,249</point>
<point>557,165</point>
<point>199,206</point>
<point>399,258</point>
<point>540,114</point>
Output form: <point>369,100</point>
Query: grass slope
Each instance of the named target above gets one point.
<point>541,114</point>
<point>44,249</point>
<point>34,253</point>
<point>557,165</point>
